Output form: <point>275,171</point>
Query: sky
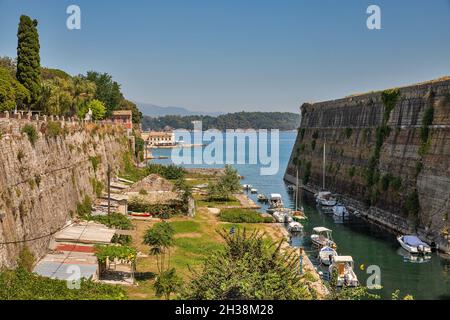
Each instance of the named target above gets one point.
<point>234,55</point>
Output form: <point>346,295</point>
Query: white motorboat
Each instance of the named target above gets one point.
<point>295,227</point>
<point>325,198</point>
<point>279,216</point>
<point>322,237</point>
<point>342,266</point>
<point>413,244</point>
<point>340,210</point>
<point>326,254</point>
<point>262,197</point>
<point>253,190</point>
<point>275,201</point>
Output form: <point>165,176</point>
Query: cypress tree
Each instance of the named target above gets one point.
<point>28,60</point>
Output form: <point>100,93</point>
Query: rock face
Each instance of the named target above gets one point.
<point>41,184</point>
<point>387,155</point>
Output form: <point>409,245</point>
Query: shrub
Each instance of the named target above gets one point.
<point>34,287</point>
<point>249,267</point>
<point>389,98</point>
<point>170,172</point>
<point>95,161</point>
<point>26,259</point>
<point>166,283</point>
<point>31,132</point>
<point>243,216</point>
<point>84,208</point>
<point>163,210</point>
<point>97,187</point>
<point>53,129</point>
<point>227,184</point>
<point>348,132</point>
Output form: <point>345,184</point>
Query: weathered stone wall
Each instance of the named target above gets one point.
<point>41,185</point>
<point>349,127</point>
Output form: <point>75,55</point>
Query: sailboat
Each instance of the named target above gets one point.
<point>325,198</point>
<point>297,213</point>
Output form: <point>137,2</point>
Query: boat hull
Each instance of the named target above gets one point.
<point>412,249</point>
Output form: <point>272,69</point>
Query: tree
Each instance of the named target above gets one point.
<point>160,239</point>
<point>166,283</point>
<point>98,109</point>
<point>12,93</point>
<point>250,267</point>
<point>227,184</point>
<point>57,96</point>
<point>184,191</point>
<point>108,91</point>
<point>10,64</point>
<point>28,60</point>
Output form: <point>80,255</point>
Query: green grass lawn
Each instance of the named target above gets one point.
<point>243,216</point>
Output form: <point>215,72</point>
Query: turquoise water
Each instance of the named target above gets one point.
<point>365,242</point>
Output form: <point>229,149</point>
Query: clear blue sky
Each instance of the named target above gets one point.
<point>232,55</point>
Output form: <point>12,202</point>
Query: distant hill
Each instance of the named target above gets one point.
<point>153,110</point>
<point>239,120</point>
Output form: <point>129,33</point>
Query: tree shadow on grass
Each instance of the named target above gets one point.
<point>144,276</point>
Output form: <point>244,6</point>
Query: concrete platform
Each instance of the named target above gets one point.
<point>86,232</point>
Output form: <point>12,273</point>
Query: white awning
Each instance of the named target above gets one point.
<point>321,229</point>
<point>340,259</point>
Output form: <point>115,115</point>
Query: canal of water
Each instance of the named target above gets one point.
<point>368,244</point>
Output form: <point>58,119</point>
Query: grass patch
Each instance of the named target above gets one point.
<point>186,226</point>
<point>243,216</point>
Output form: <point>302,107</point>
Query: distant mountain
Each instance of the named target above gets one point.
<point>152,110</point>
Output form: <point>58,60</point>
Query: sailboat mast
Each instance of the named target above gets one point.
<point>323,175</point>
<point>296,191</point>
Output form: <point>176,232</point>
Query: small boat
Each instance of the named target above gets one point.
<point>262,197</point>
<point>139,214</point>
<point>343,266</point>
<point>413,244</point>
<point>326,254</point>
<point>275,202</point>
<point>253,190</point>
<point>300,214</point>
<point>291,188</point>
<point>295,227</point>
<point>340,210</point>
<point>279,216</point>
<point>325,198</point>
<point>247,186</point>
<point>322,237</point>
